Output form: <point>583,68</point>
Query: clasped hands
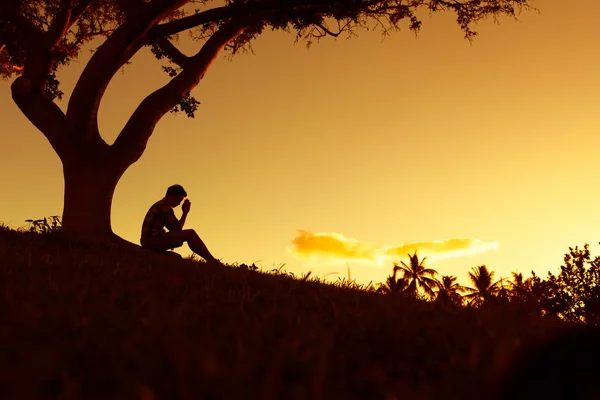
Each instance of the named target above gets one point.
<point>185,207</point>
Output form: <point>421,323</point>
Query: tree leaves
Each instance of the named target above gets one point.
<point>310,20</point>
<point>574,294</point>
<point>188,105</point>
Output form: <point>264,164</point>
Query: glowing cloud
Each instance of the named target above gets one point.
<point>335,246</point>
<point>440,249</point>
<point>332,245</point>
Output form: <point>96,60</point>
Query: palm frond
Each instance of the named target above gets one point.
<point>471,291</point>
<point>429,271</point>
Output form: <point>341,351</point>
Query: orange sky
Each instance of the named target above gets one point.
<point>482,153</point>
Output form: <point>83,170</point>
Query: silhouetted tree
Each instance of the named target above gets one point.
<point>483,286</point>
<point>503,292</point>
<point>520,288</point>
<point>517,283</point>
<point>38,37</point>
<point>393,283</point>
<point>449,291</point>
<point>417,276</point>
<point>574,294</point>
<point>537,295</point>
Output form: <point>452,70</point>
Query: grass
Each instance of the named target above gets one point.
<point>97,322</point>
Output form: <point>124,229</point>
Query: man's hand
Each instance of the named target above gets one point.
<point>185,207</point>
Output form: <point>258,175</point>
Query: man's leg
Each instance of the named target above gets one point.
<point>176,239</point>
<point>163,243</point>
<point>197,245</point>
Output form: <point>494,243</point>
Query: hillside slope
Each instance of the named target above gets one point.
<point>102,323</point>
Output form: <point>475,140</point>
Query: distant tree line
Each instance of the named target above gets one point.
<point>573,295</point>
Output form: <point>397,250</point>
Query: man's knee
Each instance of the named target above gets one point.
<point>189,234</point>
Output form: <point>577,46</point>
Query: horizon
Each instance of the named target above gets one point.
<point>482,166</point>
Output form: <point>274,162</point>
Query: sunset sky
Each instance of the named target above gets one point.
<point>356,152</point>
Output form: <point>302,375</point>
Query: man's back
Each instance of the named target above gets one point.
<point>159,215</point>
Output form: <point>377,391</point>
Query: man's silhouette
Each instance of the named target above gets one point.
<point>161,215</point>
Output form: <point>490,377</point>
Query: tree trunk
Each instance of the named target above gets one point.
<point>89,191</point>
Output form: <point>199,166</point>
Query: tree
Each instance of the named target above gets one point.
<point>38,37</point>
<point>449,291</point>
<point>393,284</point>
<point>520,288</point>
<point>574,294</point>
<point>417,276</point>
<point>483,286</point>
<point>517,283</point>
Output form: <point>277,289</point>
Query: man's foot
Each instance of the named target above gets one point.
<point>214,261</point>
<point>209,260</point>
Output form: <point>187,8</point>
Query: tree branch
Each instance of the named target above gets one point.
<point>192,21</point>
<point>65,19</point>
<point>93,34</point>
<point>61,23</point>
<point>43,113</point>
<point>130,7</point>
<point>172,52</point>
<point>327,31</point>
<point>120,46</point>
<point>37,63</point>
<point>42,22</point>
<point>219,14</point>
<point>79,10</point>
<point>132,140</point>
<point>33,36</point>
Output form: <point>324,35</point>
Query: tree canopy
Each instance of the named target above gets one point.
<point>484,288</point>
<point>60,28</point>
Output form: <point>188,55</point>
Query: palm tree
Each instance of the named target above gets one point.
<point>393,284</point>
<point>449,290</point>
<point>483,289</point>
<point>517,281</point>
<point>502,292</point>
<point>417,276</point>
<point>519,286</point>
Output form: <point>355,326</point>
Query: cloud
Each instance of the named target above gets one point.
<point>332,245</point>
<point>337,247</point>
<point>440,249</point>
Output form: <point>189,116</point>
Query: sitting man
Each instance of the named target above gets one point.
<point>161,215</point>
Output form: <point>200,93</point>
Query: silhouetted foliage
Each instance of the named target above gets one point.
<point>449,291</point>
<point>45,225</point>
<point>574,294</point>
<point>503,293</point>
<point>518,286</point>
<point>393,284</point>
<point>483,286</point>
<point>417,276</point>
<point>526,292</point>
<point>251,267</point>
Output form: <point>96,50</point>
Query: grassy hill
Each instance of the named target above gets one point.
<point>94,322</point>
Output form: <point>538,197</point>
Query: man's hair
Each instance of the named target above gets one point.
<point>176,190</point>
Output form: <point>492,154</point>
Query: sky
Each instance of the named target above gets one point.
<point>351,154</point>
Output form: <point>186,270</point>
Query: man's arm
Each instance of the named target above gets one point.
<point>185,207</point>
<point>182,219</point>
<point>172,223</point>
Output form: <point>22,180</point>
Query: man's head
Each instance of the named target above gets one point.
<point>175,195</point>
